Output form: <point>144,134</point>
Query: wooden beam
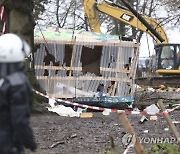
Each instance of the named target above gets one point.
<point>67,78</point>
<point>115,70</point>
<point>80,42</point>
<point>169,121</point>
<point>139,148</point>
<point>58,68</point>
<point>72,57</point>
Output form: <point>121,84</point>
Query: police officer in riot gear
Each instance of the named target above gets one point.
<point>15,97</point>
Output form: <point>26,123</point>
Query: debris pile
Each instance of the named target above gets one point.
<point>160,88</point>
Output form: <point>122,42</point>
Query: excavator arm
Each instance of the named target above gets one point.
<point>165,66</point>
<point>141,22</point>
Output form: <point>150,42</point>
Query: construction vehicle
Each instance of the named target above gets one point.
<point>168,55</point>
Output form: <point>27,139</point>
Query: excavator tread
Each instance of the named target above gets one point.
<point>172,81</point>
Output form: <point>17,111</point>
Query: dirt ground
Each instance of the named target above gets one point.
<point>72,135</point>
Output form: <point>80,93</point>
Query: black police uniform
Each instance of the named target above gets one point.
<point>15,107</point>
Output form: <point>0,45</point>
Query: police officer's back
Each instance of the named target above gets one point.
<point>15,97</point>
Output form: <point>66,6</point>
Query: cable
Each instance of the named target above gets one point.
<point>74,40</point>
<point>137,15</point>
<point>74,15</point>
<point>148,44</point>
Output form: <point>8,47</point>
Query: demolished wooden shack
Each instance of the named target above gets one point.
<point>77,64</point>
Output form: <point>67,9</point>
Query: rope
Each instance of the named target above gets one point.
<point>101,108</point>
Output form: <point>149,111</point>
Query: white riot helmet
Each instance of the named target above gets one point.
<point>13,49</point>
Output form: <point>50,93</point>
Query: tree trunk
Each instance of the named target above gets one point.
<point>21,22</point>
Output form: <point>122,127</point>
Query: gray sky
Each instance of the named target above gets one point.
<point>173,36</point>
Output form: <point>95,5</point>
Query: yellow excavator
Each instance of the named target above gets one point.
<point>168,55</point>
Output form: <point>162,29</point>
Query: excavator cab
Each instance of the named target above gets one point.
<point>168,59</point>
<point>167,54</point>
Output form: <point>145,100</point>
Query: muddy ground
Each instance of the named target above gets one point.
<point>72,135</point>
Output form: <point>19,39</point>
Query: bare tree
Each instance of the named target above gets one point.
<point>21,22</point>
<point>70,14</point>
<point>39,8</point>
<point>172,8</point>
<point>64,14</point>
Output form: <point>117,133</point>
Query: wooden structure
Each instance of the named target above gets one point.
<point>79,64</point>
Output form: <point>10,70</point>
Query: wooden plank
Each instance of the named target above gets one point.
<point>110,43</point>
<point>139,148</point>
<point>116,70</point>
<point>135,61</point>
<point>87,78</point>
<point>169,121</point>
<point>73,54</point>
<point>80,69</point>
<point>58,68</point>
<point>86,115</point>
<point>117,66</point>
